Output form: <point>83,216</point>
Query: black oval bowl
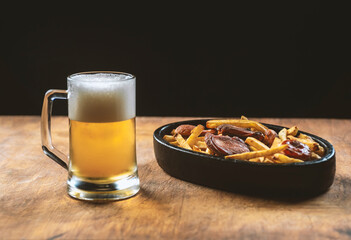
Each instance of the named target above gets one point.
<point>312,177</point>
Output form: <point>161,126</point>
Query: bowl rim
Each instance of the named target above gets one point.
<point>330,151</point>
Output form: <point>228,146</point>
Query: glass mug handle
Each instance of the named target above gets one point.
<point>46,141</point>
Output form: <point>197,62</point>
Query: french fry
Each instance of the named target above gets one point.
<point>292,131</point>
<point>282,134</point>
<point>181,141</point>
<point>243,117</point>
<point>202,138</point>
<point>305,139</point>
<point>254,160</point>
<point>276,142</point>
<point>312,145</point>
<point>256,143</point>
<point>208,151</point>
<point>315,155</point>
<point>201,144</point>
<point>304,136</point>
<point>261,153</point>
<point>266,160</point>
<point>281,158</point>
<point>239,123</point>
<point>197,149</point>
<point>253,149</point>
<point>258,159</point>
<point>192,139</point>
<point>320,151</point>
<point>175,143</point>
<point>169,138</point>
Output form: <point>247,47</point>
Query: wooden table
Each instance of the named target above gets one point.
<point>34,203</point>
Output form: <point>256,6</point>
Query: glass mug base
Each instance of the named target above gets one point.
<point>101,191</point>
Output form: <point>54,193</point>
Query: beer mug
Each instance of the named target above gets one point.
<point>102,152</point>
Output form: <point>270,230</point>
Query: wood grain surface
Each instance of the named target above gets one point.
<point>35,205</point>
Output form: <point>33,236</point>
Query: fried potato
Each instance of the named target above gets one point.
<point>192,139</point>
<point>208,151</point>
<point>256,143</point>
<point>258,159</point>
<point>239,123</point>
<point>320,151</point>
<point>252,148</point>
<point>254,160</point>
<point>292,131</point>
<point>281,158</point>
<point>169,138</point>
<point>266,160</point>
<point>282,134</point>
<point>260,153</point>
<point>197,149</point>
<point>276,142</point>
<point>181,141</point>
<point>201,144</point>
<point>202,138</point>
<point>174,143</point>
<point>304,136</point>
<point>243,117</point>
<point>315,155</point>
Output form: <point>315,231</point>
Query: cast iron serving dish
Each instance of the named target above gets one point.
<point>311,177</point>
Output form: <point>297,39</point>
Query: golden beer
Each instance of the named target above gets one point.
<point>102,151</point>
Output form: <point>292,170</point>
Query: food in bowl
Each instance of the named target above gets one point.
<point>246,140</point>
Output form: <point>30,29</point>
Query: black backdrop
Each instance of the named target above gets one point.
<point>256,59</point>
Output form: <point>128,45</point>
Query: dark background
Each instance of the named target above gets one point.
<point>258,59</point>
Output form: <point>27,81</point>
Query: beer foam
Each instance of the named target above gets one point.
<point>101,97</point>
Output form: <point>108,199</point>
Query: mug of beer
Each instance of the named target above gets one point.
<point>102,152</point>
